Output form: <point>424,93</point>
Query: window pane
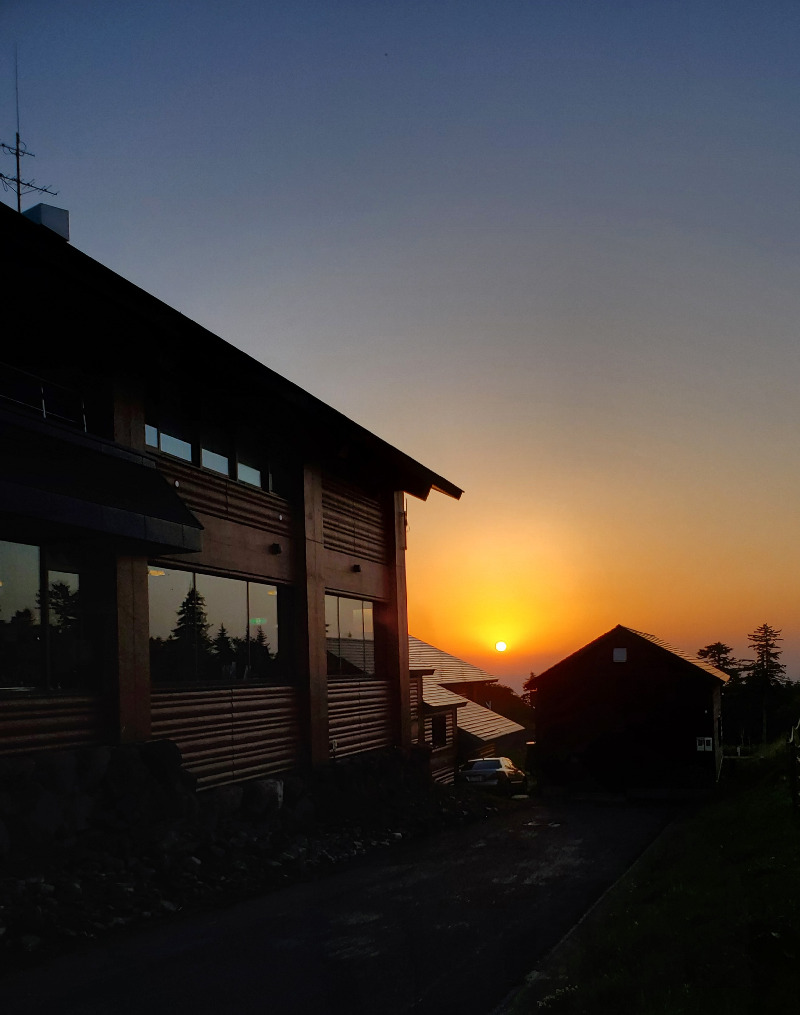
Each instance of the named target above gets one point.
<point>247,474</point>
<point>332,633</point>
<point>263,624</point>
<point>211,460</point>
<point>68,651</point>
<point>172,637</point>
<point>150,436</point>
<point>20,627</point>
<point>351,624</point>
<point>175,446</point>
<point>369,639</point>
<point>352,654</point>
<point>222,628</point>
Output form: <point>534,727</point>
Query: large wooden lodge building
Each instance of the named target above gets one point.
<point>192,548</point>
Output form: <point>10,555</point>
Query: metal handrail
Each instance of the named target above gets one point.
<point>39,402</point>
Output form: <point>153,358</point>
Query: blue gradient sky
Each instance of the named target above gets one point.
<point>548,248</point>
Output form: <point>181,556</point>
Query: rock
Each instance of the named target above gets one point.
<point>262,796</point>
<point>46,817</point>
<point>92,767</point>
<point>228,799</point>
<point>303,815</point>
<point>162,757</point>
<point>57,771</point>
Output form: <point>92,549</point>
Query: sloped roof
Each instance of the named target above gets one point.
<point>449,669</point>
<point>43,258</point>
<point>484,724</point>
<point>436,696</point>
<point>703,664</point>
<point>686,657</point>
<point>474,719</point>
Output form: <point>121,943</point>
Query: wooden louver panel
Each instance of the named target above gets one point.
<point>352,522</point>
<point>215,495</point>
<point>359,715</point>
<point>56,723</point>
<point>230,734</point>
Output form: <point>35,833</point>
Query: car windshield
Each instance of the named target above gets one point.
<point>486,765</point>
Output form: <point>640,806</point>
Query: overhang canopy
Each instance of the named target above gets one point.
<point>90,487</point>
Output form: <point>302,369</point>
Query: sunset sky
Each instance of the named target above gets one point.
<point>548,248</point>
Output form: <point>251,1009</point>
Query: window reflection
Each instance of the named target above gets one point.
<point>175,446</point>
<point>67,646</point>
<point>209,628</point>
<point>50,619</point>
<point>349,636</point>
<point>20,632</point>
<point>247,474</point>
<point>215,462</point>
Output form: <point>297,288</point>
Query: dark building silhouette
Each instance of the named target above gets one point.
<point>192,547</point>
<point>629,712</point>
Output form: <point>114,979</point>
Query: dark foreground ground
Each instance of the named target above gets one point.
<point>451,922</point>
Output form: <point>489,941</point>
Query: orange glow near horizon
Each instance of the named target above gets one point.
<point>552,584</point>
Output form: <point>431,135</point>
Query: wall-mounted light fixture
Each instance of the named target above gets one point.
<point>275,548</point>
<point>356,569</point>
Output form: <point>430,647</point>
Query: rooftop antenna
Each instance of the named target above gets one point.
<point>18,150</point>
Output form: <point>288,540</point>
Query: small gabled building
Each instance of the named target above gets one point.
<point>629,712</point>
<point>478,731</point>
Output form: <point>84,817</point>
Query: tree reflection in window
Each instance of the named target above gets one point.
<point>49,630</point>
<point>212,629</point>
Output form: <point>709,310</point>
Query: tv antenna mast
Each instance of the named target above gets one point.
<point>19,151</point>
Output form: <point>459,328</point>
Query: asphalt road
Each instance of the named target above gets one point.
<point>449,923</point>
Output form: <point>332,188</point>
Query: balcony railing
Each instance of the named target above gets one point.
<point>47,399</point>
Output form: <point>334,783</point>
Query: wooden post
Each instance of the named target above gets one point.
<point>133,650</point>
<point>396,628</point>
<point>313,657</point>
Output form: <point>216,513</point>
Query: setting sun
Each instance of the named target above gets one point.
<point>501,646</point>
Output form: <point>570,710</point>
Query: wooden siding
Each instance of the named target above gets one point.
<point>443,764</point>
<point>359,715</point>
<point>215,495</point>
<point>233,733</point>
<point>56,723</point>
<point>414,698</point>
<point>352,521</point>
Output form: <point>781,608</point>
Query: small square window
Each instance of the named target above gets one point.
<point>247,474</point>
<point>211,460</point>
<point>176,447</point>
<point>620,655</point>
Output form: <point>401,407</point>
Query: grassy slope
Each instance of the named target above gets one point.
<point>707,921</point>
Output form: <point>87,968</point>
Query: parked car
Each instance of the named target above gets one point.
<point>494,773</point>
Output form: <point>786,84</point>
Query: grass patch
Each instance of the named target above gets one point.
<point>707,921</point>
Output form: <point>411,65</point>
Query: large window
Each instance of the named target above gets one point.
<point>50,619</point>
<point>350,637</point>
<point>221,630</point>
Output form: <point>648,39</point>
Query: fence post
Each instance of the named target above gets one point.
<point>793,748</point>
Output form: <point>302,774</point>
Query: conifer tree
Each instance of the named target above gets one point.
<point>189,637</point>
<point>765,675</point>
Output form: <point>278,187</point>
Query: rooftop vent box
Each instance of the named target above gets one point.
<point>56,219</point>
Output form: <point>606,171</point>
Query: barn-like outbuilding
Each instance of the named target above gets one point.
<point>629,712</point>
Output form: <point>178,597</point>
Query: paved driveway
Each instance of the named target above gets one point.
<point>450,923</point>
